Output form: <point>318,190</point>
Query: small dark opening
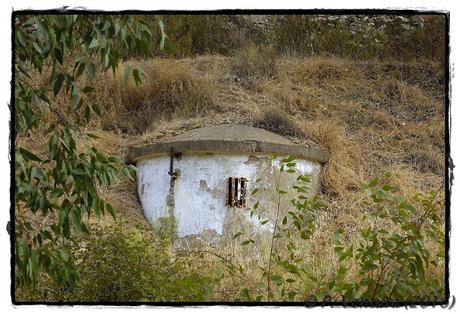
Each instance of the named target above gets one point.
<point>236,192</point>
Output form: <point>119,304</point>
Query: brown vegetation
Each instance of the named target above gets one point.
<point>373,117</point>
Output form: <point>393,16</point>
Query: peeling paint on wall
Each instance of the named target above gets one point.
<point>197,197</point>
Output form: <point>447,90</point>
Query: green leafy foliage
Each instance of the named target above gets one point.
<point>198,34</point>
<point>385,37</point>
<point>394,257</point>
<point>132,265</point>
<point>351,37</point>
<point>292,226</point>
<point>58,185</point>
<point>392,254</point>
<point>120,263</point>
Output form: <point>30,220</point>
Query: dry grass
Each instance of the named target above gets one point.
<point>253,63</point>
<point>344,170</point>
<point>276,120</point>
<point>168,91</point>
<point>371,117</point>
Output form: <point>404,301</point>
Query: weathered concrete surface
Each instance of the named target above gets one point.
<point>195,197</point>
<point>228,139</point>
<point>200,191</point>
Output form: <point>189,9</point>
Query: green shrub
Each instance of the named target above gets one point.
<point>427,41</point>
<point>396,255</point>
<point>130,265</point>
<point>293,223</point>
<point>197,34</point>
<point>399,255</point>
<point>121,263</point>
<point>361,38</point>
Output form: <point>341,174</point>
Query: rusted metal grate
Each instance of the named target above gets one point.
<point>236,192</point>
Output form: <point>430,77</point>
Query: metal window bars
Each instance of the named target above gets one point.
<point>236,192</point>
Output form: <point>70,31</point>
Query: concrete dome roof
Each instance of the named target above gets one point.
<point>228,138</point>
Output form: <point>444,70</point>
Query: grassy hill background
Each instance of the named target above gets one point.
<point>375,107</point>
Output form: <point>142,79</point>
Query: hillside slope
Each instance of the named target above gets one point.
<point>372,117</point>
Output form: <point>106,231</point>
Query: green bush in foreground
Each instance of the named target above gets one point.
<point>394,258</point>
<point>397,255</point>
<point>58,184</point>
<point>117,264</point>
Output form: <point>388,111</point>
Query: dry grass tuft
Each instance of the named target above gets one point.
<point>344,170</point>
<point>168,90</point>
<point>278,121</point>
<point>317,71</point>
<point>285,96</point>
<point>253,63</point>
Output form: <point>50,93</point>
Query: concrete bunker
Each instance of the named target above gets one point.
<point>203,178</point>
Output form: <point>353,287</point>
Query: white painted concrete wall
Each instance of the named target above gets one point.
<point>200,190</point>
